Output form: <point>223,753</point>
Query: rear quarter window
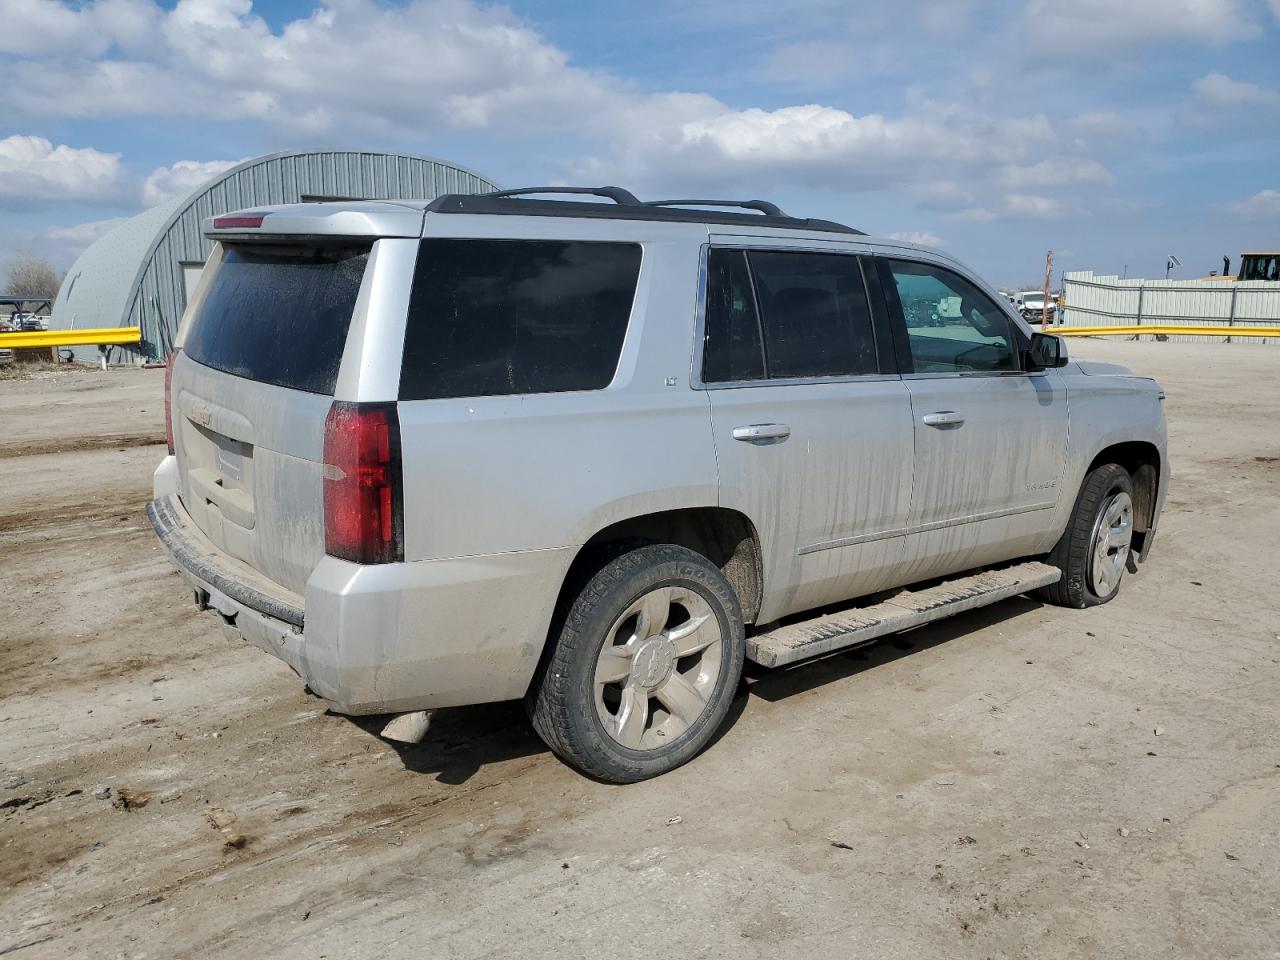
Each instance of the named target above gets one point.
<point>494,317</point>
<point>279,315</point>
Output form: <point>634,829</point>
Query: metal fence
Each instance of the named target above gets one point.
<point>1102,301</point>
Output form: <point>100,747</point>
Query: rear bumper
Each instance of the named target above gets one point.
<point>195,556</point>
<point>383,638</point>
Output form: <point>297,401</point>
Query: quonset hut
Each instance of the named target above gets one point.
<point>139,273</point>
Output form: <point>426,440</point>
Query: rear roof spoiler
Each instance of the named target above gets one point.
<point>372,218</point>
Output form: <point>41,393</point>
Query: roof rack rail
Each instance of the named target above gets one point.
<point>625,206</point>
<point>616,194</point>
<point>764,206</point>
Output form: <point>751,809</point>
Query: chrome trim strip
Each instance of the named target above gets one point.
<point>799,381</point>
<point>971,374</point>
<point>745,241</point>
<point>922,528</point>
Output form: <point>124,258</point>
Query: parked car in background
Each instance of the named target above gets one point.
<point>1031,305</point>
<point>6,355</point>
<point>29,321</point>
<point>596,455</point>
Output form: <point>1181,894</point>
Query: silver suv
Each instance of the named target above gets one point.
<point>594,453</point>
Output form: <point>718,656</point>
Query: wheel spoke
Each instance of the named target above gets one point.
<point>681,698</point>
<point>1100,549</point>
<point>632,716</point>
<point>614,664</point>
<point>654,610</point>
<point>694,635</point>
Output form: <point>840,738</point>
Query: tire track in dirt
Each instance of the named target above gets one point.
<point>46,445</point>
<point>129,508</point>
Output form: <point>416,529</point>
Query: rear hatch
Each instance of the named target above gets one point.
<point>260,353</point>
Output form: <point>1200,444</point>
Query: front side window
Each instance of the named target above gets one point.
<point>781,315</point>
<point>952,326</point>
<point>495,317</point>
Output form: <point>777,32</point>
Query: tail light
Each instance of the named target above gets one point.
<point>168,400</point>
<point>362,496</point>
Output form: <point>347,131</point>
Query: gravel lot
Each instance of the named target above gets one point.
<point>1021,781</point>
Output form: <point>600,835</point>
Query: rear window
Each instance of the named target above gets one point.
<point>493,317</point>
<point>279,315</point>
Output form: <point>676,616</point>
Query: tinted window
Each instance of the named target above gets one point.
<point>815,315</point>
<point>279,315</point>
<point>491,317</point>
<point>732,348</point>
<point>951,325</point>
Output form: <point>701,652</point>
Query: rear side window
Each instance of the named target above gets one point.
<point>493,317</point>
<point>816,319</point>
<point>279,315</point>
<point>733,349</point>
<point>779,314</point>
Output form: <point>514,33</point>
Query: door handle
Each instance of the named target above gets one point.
<point>762,431</point>
<point>943,418</point>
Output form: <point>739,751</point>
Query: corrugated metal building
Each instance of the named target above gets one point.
<point>140,272</point>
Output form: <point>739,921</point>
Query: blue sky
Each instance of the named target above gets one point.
<point>1112,132</point>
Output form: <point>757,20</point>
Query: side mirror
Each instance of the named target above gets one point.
<point>1046,351</point>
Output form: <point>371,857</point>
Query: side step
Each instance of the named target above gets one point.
<point>812,638</point>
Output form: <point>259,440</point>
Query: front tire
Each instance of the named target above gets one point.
<point>1094,549</point>
<point>645,667</point>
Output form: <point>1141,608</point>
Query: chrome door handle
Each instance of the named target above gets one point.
<point>943,418</point>
<point>762,431</point>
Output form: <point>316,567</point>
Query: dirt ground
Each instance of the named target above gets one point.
<point>1021,781</point>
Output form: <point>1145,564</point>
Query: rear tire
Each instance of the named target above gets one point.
<point>1094,549</point>
<point>645,667</point>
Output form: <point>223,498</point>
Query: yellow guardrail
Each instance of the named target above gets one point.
<point>1169,330</point>
<point>107,336</point>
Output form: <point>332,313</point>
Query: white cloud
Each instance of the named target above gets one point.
<point>1095,26</point>
<point>350,64</point>
<point>83,234</point>
<point>1219,90</point>
<point>168,183</point>
<point>1263,205</point>
<point>922,237</point>
<point>1025,206</point>
<point>1031,205</point>
<point>33,27</point>
<point>1102,123</point>
<point>1057,171</point>
<point>705,142</point>
<point>33,171</point>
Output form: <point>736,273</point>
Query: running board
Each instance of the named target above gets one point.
<point>909,608</point>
